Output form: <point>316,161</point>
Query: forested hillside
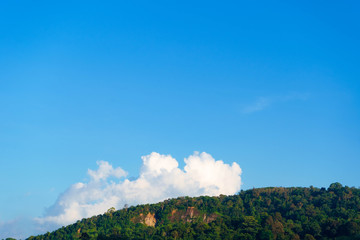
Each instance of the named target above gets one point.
<point>265,213</point>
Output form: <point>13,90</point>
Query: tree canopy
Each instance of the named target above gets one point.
<point>263,213</point>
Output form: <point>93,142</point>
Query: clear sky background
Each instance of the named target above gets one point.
<point>273,86</point>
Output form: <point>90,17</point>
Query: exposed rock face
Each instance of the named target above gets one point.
<point>150,220</point>
<point>190,214</point>
<point>210,218</point>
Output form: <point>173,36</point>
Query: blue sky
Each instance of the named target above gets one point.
<point>274,87</point>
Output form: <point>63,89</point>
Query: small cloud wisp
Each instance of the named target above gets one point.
<point>262,103</point>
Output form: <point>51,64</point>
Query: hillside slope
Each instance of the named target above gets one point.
<point>264,213</point>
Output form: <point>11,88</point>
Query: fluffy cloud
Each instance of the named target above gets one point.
<point>160,178</point>
<point>105,170</point>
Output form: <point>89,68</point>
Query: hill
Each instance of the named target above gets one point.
<point>264,213</point>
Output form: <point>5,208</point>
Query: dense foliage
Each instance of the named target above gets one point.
<point>266,213</point>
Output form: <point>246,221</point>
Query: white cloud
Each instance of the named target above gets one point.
<point>160,178</point>
<point>105,170</point>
